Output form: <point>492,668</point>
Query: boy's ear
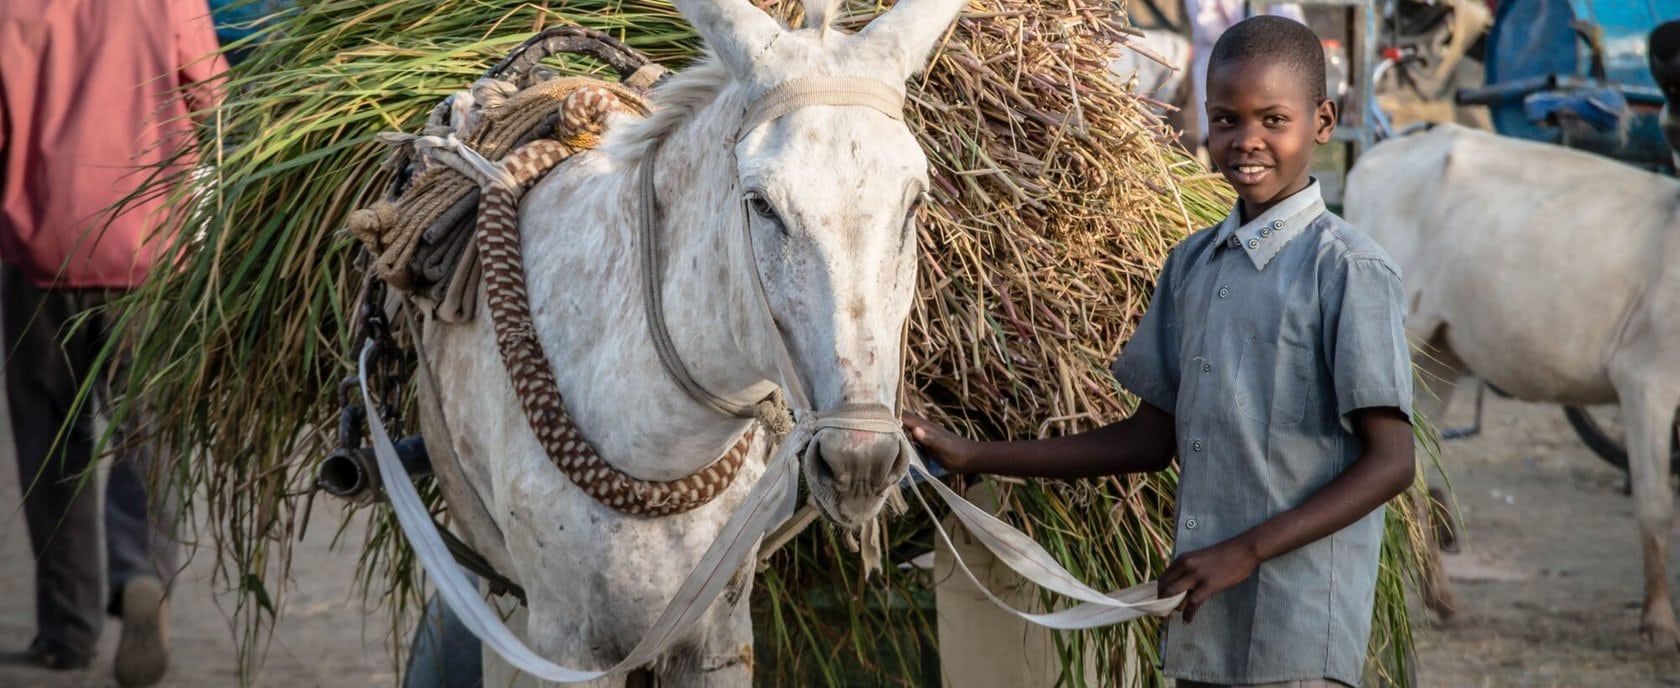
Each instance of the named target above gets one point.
<point>1326,117</point>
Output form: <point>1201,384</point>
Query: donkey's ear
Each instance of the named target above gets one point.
<point>910,31</point>
<point>734,29</point>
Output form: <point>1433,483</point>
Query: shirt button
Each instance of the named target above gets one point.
<point>1190,523</point>
<point>1253,243</point>
<point>1277,224</point>
<point>1224,292</point>
<point>1207,367</point>
<point>1196,445</point>
<point>1265,232</point>
<point>1235,242</point>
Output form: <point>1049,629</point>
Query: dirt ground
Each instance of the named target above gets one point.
<point>1549,580</point>
<point>324,638</point>
<point>1549,576</point>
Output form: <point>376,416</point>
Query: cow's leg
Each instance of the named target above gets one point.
<point>1439,372</point>
<point>1648,410</point>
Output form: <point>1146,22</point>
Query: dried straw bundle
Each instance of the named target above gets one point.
<point>1054,205</point>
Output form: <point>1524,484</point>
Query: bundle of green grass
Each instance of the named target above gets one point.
<point>1054,203</point>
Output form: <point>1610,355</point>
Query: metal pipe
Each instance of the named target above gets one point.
<point>1494,94</point>
<point>350,474</point>
<point>415,460</point>
<point>353,473</point>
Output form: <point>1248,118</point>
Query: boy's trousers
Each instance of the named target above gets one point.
<point>46,361</point>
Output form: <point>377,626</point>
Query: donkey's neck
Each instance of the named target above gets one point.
<point>583,261</point>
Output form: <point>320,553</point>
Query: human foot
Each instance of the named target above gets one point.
<point>143,650</point>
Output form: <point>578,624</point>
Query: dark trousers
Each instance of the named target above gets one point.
<point>46,361</point>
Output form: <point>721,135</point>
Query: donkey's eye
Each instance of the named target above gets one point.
<point>760,206</point>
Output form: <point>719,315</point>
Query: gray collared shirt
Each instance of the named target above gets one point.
<point>1261,339</point>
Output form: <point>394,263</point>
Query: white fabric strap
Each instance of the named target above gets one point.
<point>767,505</point>
<point>1025,557</point>
<point>451,151</point>
<point>825,90</point>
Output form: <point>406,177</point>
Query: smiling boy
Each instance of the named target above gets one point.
<point>1273,364</point>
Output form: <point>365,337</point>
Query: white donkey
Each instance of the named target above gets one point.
<point>827,194</point>
<point>1554,275</point>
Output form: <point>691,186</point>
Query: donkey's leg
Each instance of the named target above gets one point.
<point>1439,371</point>
<point>722,654</point>
<point>1648,409</point>
<point>559,637</point>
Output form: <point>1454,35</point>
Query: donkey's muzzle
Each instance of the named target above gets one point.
<point>859,466</point>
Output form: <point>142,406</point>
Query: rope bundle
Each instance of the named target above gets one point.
<point>420,236</point>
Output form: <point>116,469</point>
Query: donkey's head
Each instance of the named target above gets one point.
<point>830,183</point>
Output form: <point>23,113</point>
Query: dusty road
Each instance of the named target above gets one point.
<point>1549,576</point>
<point>1549,580</point>
<point>324,637</point>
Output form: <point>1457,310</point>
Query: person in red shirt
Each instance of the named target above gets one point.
<point>91,100</point>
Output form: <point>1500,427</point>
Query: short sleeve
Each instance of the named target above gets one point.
<point>1148,365</point>
<point>1365,331</point>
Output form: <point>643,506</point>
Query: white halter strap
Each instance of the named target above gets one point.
<point>825,90</point>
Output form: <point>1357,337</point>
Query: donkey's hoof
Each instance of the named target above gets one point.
<point>1445,611</point>
<point>1441,601</point>
<point>1442,522</point>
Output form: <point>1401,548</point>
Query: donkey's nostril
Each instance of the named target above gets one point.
<point>834,465</point>
<point>821,469</point>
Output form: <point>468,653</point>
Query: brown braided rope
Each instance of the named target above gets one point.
<point>502,261</point>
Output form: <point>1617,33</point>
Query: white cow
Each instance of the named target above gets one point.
<point>1163,80</point>
<point>1554,275</point>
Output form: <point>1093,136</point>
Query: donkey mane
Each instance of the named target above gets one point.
<point>676,100</point>
<point>820,14</point>
<point>694,88</point>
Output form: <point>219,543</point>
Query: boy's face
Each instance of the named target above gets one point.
<point>1262,127</point>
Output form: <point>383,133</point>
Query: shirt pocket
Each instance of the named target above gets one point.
<point>1272,383</point>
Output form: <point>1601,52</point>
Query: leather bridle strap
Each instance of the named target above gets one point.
<point>778,101</point>
<point>653,295</point>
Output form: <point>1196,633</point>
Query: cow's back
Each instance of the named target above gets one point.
<point>1532,256</point>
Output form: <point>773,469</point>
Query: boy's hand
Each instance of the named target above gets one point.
<point>951,451</point>
<point>1208,572</point>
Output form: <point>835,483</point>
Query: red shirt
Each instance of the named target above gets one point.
<point>90,98</point>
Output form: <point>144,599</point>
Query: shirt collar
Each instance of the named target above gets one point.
<point>1264,236</point>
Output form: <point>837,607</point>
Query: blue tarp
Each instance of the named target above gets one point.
<point>1603,108</point>
<point>240,19</point>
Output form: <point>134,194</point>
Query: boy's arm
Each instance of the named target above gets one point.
<point>1383,470</point>
<point>1141,443</point>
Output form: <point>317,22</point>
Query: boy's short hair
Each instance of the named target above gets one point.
<point>1274,39</point>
